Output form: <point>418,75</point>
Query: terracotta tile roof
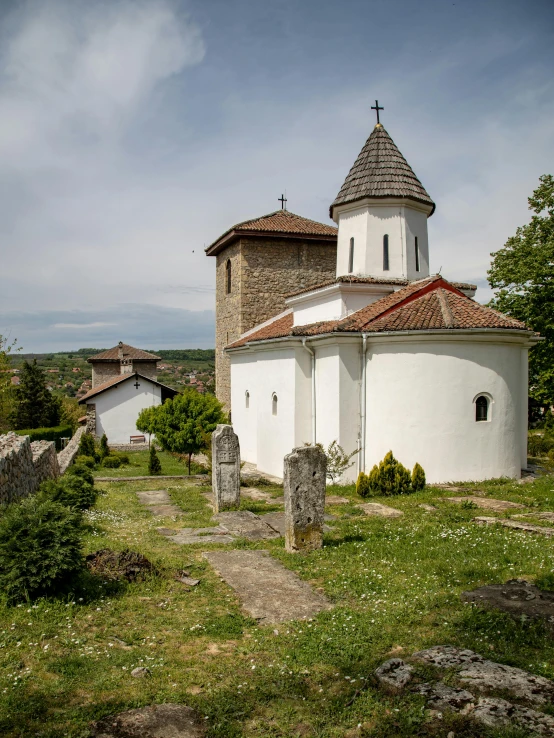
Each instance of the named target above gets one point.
<point>350,278</point>
<point>122,378</point>
<point>280,223</point>
<point>129,352</point>
<point>381,171</point>
<point>429,304</point>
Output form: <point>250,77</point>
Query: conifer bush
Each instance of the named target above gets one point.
<point>104,448</point>
<point>418,478</point>
<point>390,477</point>
<point>80,470</point>
<point>362,485</point>
<point>154,464</point>
<point>87,447</point>
<point>72,491</point>
<point>40,548</point>
<point>86,461</point>
<point>111,462</point>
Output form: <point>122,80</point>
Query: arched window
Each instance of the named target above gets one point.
<point>386,265</point>
<point>274,404</point>
<point>416,255</point>
<point>351,257</point>
<point>247,399</point>
<point>228,277</point>
<point>481,408</point>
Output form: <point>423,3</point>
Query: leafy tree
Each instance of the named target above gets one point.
<point>6,390</point>
<point>181,424</point>
<point>522,272</point>
<point>338,461</point>
<point>71,412</point>
<point>145,420</point>
<point>154,465</point>
<point>35,405</point>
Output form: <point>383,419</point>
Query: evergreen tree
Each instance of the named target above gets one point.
<point>104,448</point>
<point>35,405</point>
<point>154,465</point>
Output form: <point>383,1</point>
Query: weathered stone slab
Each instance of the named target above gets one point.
<point>440,696</point>
<point>447,657</point>
<point>382,511</point>
<point>487,503</point>
<point>428,508</point>
<point>246,524</point>
<point>184,539</point>
<point>496,713</point>
<point>517,597</point>
<point>225,468</point>
<point>164,511</point>
<point>516,525</point>
<point>155,497</point>
<point>336,500</point>
<point>156,721</point>
<point>394,675</point>
<point>304,488</point>
<point>275,520</point>
<point>269,592</point>
<point>258,495</point>
<point>538,515</point>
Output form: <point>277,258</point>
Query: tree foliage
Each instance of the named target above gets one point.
<point>338,461</point>
<point>522,273</point>
<point>390,477</point>
<point>6,389</point>
<point>35,405</point>
<point>154,464</point>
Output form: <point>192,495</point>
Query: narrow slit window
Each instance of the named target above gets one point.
<point>351,257</point>
<point>274,402</point>
<point>228,276</point>
<point>416,255</point>
<point>247,399</point>
<point>386,265</point>
<point>481,409</point>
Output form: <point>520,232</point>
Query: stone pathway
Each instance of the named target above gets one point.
<point>268,592</point>
<point>517,597</point>
<point>539,515</point>
<point>382,511</point>
<point>159,503</point>
<point>487,503</point>
<point>246,524</point>
<point>336,500</point>
<point>515,525</point>
<point>428,508</point>
<point>156,721</point>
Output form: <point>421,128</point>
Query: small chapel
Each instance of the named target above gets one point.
<point>328,333</point>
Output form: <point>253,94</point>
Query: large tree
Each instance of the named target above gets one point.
<point>522,273</point>
<point>35,405</point>
<point>182,424</point>
<point>6,390</point>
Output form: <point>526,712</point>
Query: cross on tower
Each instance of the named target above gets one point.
<point>377,109</point>
<point>137,384</point>
<point>283,201</point>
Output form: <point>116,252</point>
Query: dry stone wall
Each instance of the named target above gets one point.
<point>24,465</point>
<point>45,461</point>
<point>67,455</point>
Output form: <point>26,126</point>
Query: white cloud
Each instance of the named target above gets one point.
<point>96,324</point>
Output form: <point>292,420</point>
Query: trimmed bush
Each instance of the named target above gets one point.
<point>124,458</point>
<point>86,461</point>
<point>87,447</point>
<point>72,491</point>
<point>40,548</point>
<point>111,462</point>
<point>418,478</point>
<point>154,464</point>
<point>80,471</point>
<point>104,448</point>
<point>48,434</point>
<point>540,444</point>
<point>362,485</point>
<point>390,477</point>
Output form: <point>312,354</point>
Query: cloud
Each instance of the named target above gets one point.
<point>80,326</point>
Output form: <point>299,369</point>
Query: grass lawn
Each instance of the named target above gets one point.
<point>395,585</point>
<point>138,465</point>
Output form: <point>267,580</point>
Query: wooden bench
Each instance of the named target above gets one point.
<point>137,439</point>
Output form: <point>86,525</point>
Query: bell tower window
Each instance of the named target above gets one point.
<point>228,277</point>
<point>416,247</point>
<point>274,402</point>
<point>386,264</point>
<point>351,257</point>
<point>481,409</point>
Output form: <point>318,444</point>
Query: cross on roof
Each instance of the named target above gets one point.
<point>377,109</point>
<point>137,384</point>
<point>283,201</point>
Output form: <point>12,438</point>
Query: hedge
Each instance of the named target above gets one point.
<point>48,434</point>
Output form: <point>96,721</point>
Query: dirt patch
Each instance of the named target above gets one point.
<point>118,565</point>
<point>157,721</point>
<point>517,597</point>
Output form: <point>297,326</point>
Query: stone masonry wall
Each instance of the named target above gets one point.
<point>104,370</point>
<point>17,472</point>
<point>90,425</point>
<point>66,455</point>
<point>264,271</point>
<point>45,461</point>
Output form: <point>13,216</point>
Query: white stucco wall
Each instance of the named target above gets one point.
<point>118,408</point>
<point>420,404</point>
<point>336,301</point>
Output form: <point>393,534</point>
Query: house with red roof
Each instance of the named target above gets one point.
<point>384,355</point>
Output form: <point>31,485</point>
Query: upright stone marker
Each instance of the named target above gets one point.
<point>225,468</point>
<point>304,483</point>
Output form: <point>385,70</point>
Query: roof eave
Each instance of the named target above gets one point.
<point>229,238</point>
<point>430,205</point>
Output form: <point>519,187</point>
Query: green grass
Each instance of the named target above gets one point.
<point>396,588</point>
<point>138,466</point>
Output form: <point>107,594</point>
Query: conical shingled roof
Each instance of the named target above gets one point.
<point>381,171</point>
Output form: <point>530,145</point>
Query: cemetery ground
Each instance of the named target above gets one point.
<point>394,583</point>
<point>138,466</point>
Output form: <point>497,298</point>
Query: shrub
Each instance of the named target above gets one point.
<point>418,478</point>
<point>48,434</point>
<point>362,485</point>
<point>124,458</point>
<point>87,447</point>
<point>390,478</point>
<point>111,462</point>
<point>80,470</point>
<point>40,548</point>
<point>540,444</point>
<point>104,448</point>
<point>72,491</point>
<point>154,465</point>
<point>86,461</point>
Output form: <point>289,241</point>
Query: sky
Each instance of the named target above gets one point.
<point>134,132</point>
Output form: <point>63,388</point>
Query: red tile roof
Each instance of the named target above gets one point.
<point>280,223</point>
<point>117,380</point>
<point>426,305</point>
<point>129,352</point>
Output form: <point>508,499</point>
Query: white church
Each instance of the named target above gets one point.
<point>385,356</point>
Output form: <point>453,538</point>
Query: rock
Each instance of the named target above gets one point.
<point>394,675</point>
<point>304,488</point>
<point>225,468</point>
<point>517,597</point>
<point>515,525</point>
<point>447,657</point>
<point>166,531</point>
<point>246,524</point>
<point>428,508</point>
<point>539,515</point>
<point>486,503</point>
<point>141,672</point>
<point>156,721</point>
<point>382,511</point>
<point>336,500</point>
<point>495,712</point>
<point>440,696</point>
<point>188,581</point>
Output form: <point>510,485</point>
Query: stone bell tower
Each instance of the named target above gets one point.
<point>258,263</point>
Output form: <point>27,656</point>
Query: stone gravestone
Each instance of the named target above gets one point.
<point>304,486</point>
<point>225,468</point>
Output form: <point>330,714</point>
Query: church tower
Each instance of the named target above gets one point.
<point>258,263</point>
<point>382,210</point>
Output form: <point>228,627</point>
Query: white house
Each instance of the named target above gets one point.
<point>113,405</point>
<point>386,356</point>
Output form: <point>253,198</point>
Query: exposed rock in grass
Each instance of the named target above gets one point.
<point>394,675</point>
<point>495,712</point>
<point>487,503</point>
<point>516,597</point>
<point>516,525</point>
<point>440,696</point>
<point>141,672</point>
<point>117,565</point>
<point>156,721</point>
<point>382,511</point>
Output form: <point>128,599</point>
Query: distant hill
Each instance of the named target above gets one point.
<point>167,354</point>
